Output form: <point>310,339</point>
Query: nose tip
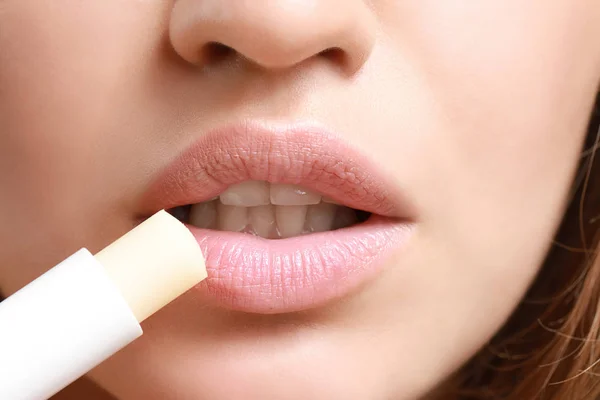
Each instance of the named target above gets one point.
<point>274,34</point>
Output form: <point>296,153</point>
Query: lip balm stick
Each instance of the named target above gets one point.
<point>87,308</point>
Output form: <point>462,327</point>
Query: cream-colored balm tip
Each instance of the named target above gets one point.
<point>154,263</point>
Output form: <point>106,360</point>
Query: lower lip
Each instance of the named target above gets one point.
<point>252,274</point>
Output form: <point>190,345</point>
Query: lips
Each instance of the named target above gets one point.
<point>253,274</point>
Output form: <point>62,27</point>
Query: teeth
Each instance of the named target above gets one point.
<point>231,218</point>
<point>270,211</point>
<point>262,220</point>
<point>344,217</point>
<point>247,194</point>
<point>204,215</point>
<point>292,195</point>
<point>329,200</point>
<point>320,217</point>
<point>290,220</point>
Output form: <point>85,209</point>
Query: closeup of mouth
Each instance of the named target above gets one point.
<point>288,217</point>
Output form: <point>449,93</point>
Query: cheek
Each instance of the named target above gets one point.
<point>500,118</point>
<point>513,108</point>
<point>486,143</point>
<point>62,72</point>
<point>496,98</point>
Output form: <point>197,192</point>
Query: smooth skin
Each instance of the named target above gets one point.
<point>478,108</point>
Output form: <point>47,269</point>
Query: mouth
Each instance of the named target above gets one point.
<point>270,210</point>
<point>288,217</point>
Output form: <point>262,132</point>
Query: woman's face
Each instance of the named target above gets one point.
<point>461,120</point>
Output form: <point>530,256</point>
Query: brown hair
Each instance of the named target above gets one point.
<point>550,347</point>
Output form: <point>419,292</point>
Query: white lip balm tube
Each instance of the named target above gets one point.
<point>87,308</point>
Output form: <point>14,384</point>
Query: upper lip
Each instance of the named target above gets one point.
<point>301,154</point>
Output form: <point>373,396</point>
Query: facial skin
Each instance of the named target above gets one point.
<point>477,107</point>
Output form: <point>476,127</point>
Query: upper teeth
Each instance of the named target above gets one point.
<point>260,193</point>
<point>270,211</point>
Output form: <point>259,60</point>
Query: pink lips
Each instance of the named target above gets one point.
<point>253,274</point>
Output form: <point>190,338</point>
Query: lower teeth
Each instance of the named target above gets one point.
<point>269,221</point>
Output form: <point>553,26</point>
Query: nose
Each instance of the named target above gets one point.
<point>274,33</point>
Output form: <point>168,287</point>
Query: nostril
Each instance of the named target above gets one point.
<point>335,55</point>
<point>215,52</point>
